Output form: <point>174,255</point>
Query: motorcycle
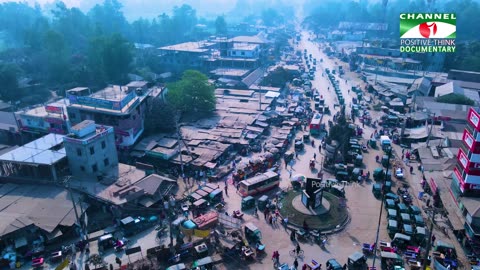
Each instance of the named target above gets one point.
<point>237,214</point>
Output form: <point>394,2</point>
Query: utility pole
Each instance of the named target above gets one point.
<point>67,185</point>
<point>430,131</point>
<point>433,211</point>
<point>381,206</point>
<point>179,140</point>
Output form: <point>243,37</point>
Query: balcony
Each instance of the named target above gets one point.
<point>470,129</point>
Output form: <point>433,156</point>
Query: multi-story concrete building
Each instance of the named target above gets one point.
<point>466,176</point>
<point>90,149</point>
<point>50,118</point>
<point>122,107</point>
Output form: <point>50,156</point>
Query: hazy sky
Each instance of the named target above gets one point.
<point>148,8</point>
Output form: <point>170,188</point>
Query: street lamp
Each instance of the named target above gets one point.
<point>389,153</point>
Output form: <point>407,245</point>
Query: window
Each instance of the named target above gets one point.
<point>106,162</point>
<point>243,53</point>
<point>82,168</point>
<point>94,168</point>
<point>92,150</point>
<point>79,152</point>
<point>104,144</point>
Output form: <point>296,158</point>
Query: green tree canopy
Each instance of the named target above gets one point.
<point>193,93</point>
<point>456,99</point>
<point>9,82</point>
<point>221,25</point>
<point>160,117</point>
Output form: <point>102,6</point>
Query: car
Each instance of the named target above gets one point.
<point>333,264</point>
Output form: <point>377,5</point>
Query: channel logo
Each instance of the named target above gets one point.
<point>428,25</point>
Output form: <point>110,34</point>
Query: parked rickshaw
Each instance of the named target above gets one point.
<point>392,227</point>
<point>408,230</point>
<point>387,187</point>
<point>420,235</point>
<point>419,221</point>
<point>378,174</point>
<point>405,218</point>
<point>333,264</point>
<point>106,242</point>
<point>385,161</point>
<point>414,210</point>
<point>390,204</point>
<point>357,261</point>
<point>377,190</point>
<point>342,176</point>
<point>390,259</point>
<point>252,233</point>
<point>401,240</point>
<point>262,202</point>
<point>392,196</point>
<point>358,160</point>
<point>392,214</point>
<point>306,137</point>
<point>402,208</point>
<point>248,202</point>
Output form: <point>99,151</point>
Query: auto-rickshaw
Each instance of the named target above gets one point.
<point>408,229</point>
<point>414,210</point>
<point>299,145</point>
<point>357,261</point>
<point>289,155</point>
<point>390,204</point>
<point>402,208</point>
<point>215,196</point>
<point>355,174</point>
<point>203,263</point>
<point>405,218</point>
<point>252,233</point>
<point>377,190</point>
<point>306,137</point>
<point>392,196</point>
<point>359,160</point>
<point>401,240</point>
<point>419,221</point>
<point>200,204</point>
<point>333,264</point>
<point>378,174</point>
<point>342,176</point>
<point>420,235</point>
<point>387,187</point>
<point>392,227</point>
<point>106,242</point>
<point>390,259</point>
<point>262,202</point>
<point>385,161</point>
<point>248,202</point>
<point>392,214</point>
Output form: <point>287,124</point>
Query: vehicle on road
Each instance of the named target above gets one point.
<point>259,183</point>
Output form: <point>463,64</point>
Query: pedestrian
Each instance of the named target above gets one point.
<point>274,220</point>
<point>298,248</point>
<point>226,190</point>
<point>428,202</point>
<point>285,222</point>
<point>270,219</point>
<point>315,156</point>
<point>411,170</point>
<point>290,172</point>
<point>292,235</point>
<point>403,156</point>
<point>403,150</point>
<point>295,263</point>
<point>304,267</point>
<point>119,262</point>
<point>265,213</point>
<point>111,266</point>
<point>433,240</point>
<point>255,211</point>
<point>320,148</point>
<point>87,252</point>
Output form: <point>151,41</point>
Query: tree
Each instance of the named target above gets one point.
<point>160,117</point>
<point>277,78</point>
<point>110,58</point>
<point>270,17</point>
<point>221,26</point>
<point>9,82</point>
<point>193,93</point>
<point>456,99</point>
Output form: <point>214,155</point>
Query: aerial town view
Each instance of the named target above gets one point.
<point>240,134</point>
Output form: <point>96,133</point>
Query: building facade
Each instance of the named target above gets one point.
<point>466,176</point>
<point>122,107</point>
<point>50,118</point>
<point>90,149</point>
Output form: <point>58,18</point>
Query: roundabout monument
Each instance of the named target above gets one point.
<point>313,205</point>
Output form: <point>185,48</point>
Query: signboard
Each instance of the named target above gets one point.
<point>468,139</point>
<point>318,198</point>
<point>313,184</point>
<point>103,103</point>
<point>473,118</point>
<point>463,159</point>
<point>305,198</point>
<point>53,109</point>
<point>53,120</point>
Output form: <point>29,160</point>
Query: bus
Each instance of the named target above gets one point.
<point>316,125</point>
<point>259,183</point>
